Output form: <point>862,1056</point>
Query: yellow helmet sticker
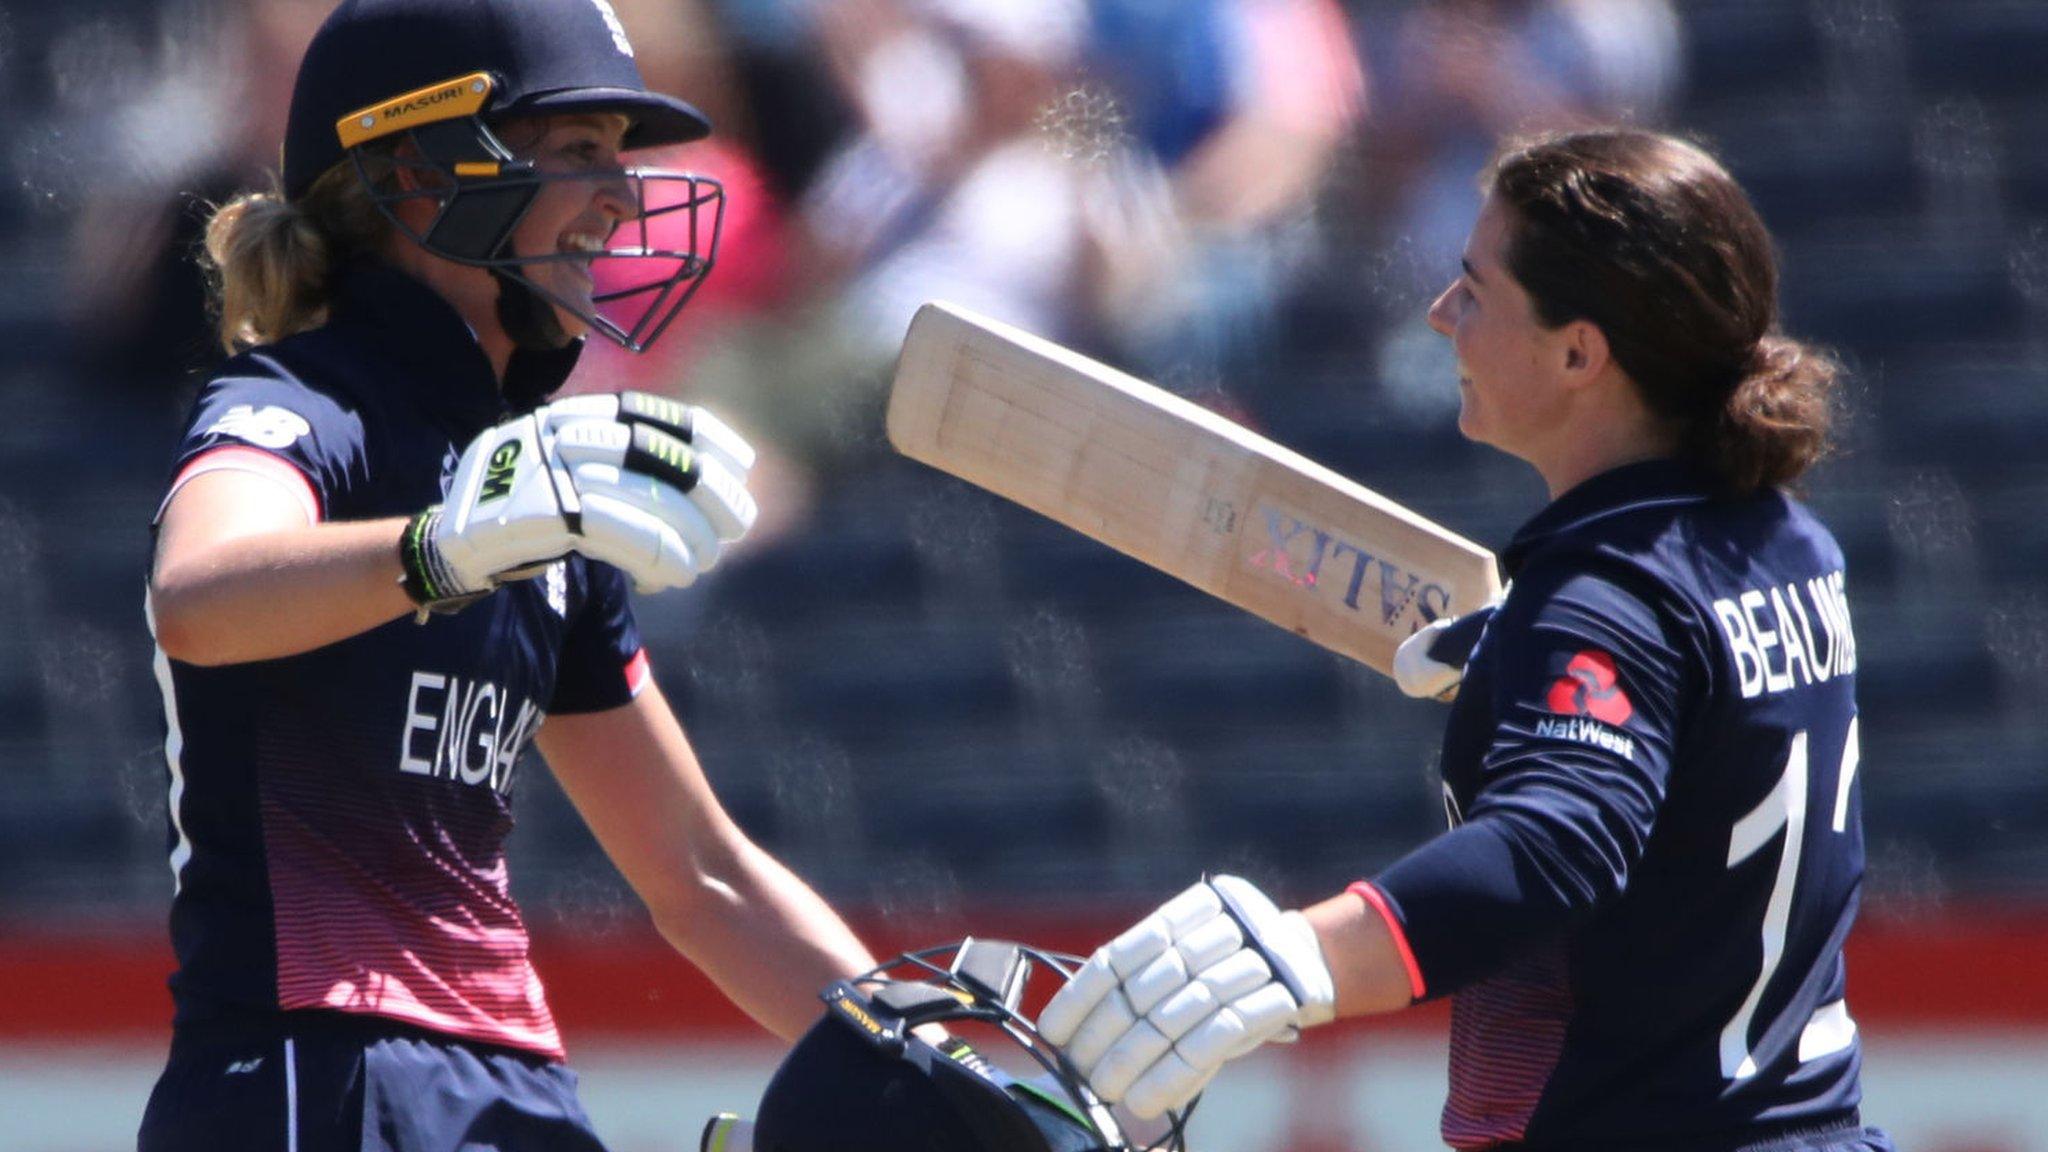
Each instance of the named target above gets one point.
<point>851,1009</point>
<point>461,96</point>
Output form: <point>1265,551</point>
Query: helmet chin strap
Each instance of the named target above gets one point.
<point>527,318</point>
<point>543,354</point>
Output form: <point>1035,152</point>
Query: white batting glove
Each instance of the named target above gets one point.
<point>1432,661</point>
<point>694,426</point>
<point>504,510</point>
<point>610,477</point>
<point>650,506</point>
<point>630,456</point>
<point>1217,971</point>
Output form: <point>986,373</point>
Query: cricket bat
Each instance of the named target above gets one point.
<point>1178,487</point>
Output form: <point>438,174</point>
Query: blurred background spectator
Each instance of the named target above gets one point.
<point>1458,76</point>
<point>1235,111</point>
<point>951,715</point>
<point>180,116</point>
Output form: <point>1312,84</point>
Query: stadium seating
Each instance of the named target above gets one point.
<point>919,686</point>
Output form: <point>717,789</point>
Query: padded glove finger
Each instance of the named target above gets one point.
<point>1098,977</point>
<point>653,470</point>
<point>645,547</point>
<point>1107,1024</point>
<point>1170,1083</point>
<point>694,426</point>
<point>648,452</point>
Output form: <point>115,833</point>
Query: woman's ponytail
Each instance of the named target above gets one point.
<point>270,262</point>
<point>1775,424</point>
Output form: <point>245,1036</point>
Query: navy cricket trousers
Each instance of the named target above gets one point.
<point>330,1082</point>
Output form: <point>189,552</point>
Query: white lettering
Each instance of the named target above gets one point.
<point>1749,663</point>
<point>1582,731</point>
<point>481,694</point>
<point>418,721</point>
<point>1747,620</point>
<point>451,729</point>
<point>1830,620</point>
<point>1795,651</point>
<point>472,742</point>
<point>1841,598</point>
<point>1817,666</point>
<point>1752,603</point>
<point>523,728</point>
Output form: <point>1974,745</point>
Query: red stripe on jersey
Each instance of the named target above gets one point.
<point>637,672</point>
<point>1507,1034</point>
<point>1377,901</point>
<point>241,458</point>
<point>390,898</point>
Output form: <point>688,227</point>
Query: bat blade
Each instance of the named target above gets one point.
<point>1177,487</point>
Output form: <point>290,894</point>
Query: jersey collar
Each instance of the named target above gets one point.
<point>1629,488</point>
<point>447,374</point>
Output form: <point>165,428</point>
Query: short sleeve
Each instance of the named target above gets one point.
<point>602,664</point>
<point>272,425</point>
<point>1588,681</point>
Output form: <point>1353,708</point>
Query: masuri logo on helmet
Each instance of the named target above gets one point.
<point>462,96</point>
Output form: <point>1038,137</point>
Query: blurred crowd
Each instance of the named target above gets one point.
<point>1250,202</point>
<point>1154,181</point>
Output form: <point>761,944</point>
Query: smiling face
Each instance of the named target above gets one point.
<point>570,217</point>
<point>1510,367</point>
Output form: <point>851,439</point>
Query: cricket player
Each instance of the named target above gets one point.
<point>385,567</point>
<point>1656,847</point>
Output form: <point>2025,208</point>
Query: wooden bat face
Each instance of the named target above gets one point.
<point>1177,487</point>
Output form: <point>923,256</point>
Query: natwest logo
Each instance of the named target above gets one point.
<point>1589,687</point>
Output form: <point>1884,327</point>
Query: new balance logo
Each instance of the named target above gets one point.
<point>244,1067</point>
<point>266,427</point>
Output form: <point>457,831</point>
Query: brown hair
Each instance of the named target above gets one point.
<point>1648,237</point>
<point>270,262</point>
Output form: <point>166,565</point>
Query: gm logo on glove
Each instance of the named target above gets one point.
<point>498,477</point>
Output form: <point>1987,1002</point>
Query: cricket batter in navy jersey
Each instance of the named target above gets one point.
<point>1655,849</point>
<point>385,566</point>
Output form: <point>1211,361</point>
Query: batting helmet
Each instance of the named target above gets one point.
<point>862,1080</point>
<point>439,74</point>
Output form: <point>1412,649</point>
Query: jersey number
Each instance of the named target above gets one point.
<point>1784,808</point>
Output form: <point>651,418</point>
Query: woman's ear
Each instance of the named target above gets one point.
<point>410,171</point>
<point>1586,354</point>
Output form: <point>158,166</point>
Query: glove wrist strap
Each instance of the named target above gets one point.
<point>428,581</point>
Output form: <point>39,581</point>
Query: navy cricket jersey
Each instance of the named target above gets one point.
<point>1656,850</point>
<point>338,818</point>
